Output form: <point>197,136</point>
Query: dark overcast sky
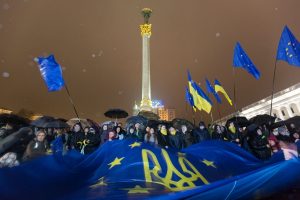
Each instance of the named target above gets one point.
<point>98,43</point>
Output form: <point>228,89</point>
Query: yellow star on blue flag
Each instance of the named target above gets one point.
<point>135,144</point>
<point>209,163</point>
<point>138,190</point>
<point>99,183</point>
<point>117,161</point>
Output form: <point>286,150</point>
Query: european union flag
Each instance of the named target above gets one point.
<point>127,169</point>
<point>241,59</point>
<point>51,73</point>
<point>210,89</point>
<point>189,97</point>
<point>288,48</point>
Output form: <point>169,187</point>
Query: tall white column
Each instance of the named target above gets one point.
<point>146,103</point>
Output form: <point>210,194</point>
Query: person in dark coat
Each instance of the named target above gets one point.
<point>139,132</point>
<point>186,137</point>
<point>37,147</point>
<point>162,137</point>
<point>201,134</point>
<point>77,136</point>
<point>258,142</point>
<point>104,134</point>
<point>93,140</point>
<point>233,134</point>
<point>120,133</point>
<point>131,133</point>
<point>217,133</point>
<point>175,140</point>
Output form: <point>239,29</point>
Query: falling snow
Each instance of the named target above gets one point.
<point>218,34</point>
<point>6,6</point>
<point>83,70</point>
<point>5,74</point>
<point>196,60</point>
<point>93,55</point>
<point>1,26</point>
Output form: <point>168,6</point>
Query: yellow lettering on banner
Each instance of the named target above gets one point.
<point>182,182</point>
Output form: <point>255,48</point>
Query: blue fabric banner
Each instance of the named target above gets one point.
<point>132,170</point>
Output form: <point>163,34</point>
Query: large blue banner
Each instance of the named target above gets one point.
<point>132,170</point>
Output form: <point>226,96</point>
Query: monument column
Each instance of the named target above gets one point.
<point>146,103</point>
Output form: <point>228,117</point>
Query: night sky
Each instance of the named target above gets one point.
<point>99,46</point>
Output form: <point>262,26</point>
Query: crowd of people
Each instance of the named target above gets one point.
<point>260,140</point>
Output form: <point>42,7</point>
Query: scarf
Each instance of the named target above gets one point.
<point>163,131</point>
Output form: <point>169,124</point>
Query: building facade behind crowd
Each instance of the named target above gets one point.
<point>258,140</point>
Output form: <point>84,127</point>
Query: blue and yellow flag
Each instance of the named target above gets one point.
<point>219,88</point>
<point>194,93</point>
<point>127,169</point>
<point>288,48</point>
<point>51,73</point>
<point>210,89</point>
<point>204,100</point>
<point>241,59</point>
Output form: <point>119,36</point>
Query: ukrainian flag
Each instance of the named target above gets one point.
<point>219,88</point>
<point>205,102</point>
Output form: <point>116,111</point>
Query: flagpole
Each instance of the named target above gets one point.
<point>71,101</point>
<point>218,108</point>
<point>234,90</point>
<point>273,86</point>
<point>211,115</point>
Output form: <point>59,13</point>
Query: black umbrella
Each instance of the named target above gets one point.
<point>56,124</point>
<point>131,121</point>
<point>40,122</point>
<point>177,123</point>
<point>239,121</point>
<point>294,120</point>
<point>116,113</point>
<point>13,119</point>
<point>263,119</point>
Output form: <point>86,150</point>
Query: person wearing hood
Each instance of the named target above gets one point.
<point>233,134</point>
<point>77,134</point>
<point>162,137</point>
<point>131,133</point>
<point>174,139</point>
<point>201,134</point>
<point>258,142</point>
<point>37,147</point>
<point>90,141</point>
<point>186,136</point>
